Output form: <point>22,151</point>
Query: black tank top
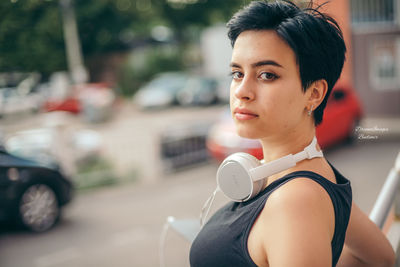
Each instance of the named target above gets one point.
<point>223,239</point>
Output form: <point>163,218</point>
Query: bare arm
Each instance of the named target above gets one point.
<point>365,244</point>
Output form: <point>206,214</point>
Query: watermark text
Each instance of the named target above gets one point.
<point>370,133</point>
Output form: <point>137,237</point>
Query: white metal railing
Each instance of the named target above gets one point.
<point>385,200</point>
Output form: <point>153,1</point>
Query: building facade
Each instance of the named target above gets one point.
<point>376,48</point>
<point>371,29</point>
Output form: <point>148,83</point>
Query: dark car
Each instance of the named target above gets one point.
<point>31,194</point>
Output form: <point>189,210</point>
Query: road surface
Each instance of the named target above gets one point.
<point>121,225</point>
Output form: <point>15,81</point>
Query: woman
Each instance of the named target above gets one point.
<point>285,61</point>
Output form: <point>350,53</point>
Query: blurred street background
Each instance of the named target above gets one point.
<point>128,101</point>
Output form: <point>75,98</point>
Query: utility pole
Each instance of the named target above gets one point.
<point>72,43</point>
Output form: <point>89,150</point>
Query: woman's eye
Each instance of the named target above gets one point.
<point>236,75</point>
<point>268,76</point>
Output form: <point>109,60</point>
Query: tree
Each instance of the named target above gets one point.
<point>31,37</point>
<point>184,14</point>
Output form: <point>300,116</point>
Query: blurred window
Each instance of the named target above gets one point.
<point>384,66</point>
<point>373,11</point>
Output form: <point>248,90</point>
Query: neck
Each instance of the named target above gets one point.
<point>277,146</point>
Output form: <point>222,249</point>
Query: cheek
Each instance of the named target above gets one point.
<point>273,102</point>
<point>293,109</point>
<point>284,107</point>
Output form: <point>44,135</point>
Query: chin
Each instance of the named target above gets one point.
<point>245,132</point>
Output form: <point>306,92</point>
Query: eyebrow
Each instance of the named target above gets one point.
<point>258,64</point>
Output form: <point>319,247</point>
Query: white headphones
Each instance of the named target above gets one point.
<point>241,176</point>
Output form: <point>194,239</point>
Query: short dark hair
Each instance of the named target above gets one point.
<point>315,38</point>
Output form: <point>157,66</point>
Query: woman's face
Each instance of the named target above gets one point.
<point>266,96</point>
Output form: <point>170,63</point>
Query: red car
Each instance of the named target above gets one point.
<point>80,93</point>
<point>71,104</point>
<point>341,115</point>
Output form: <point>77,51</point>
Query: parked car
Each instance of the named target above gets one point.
<point>95,100</point>
<point>223,89</point>
<point>31,194</point>
<point>222,140</point>
<point>341,115</point>
<point>21,94</point>
<point>70,104</point>
<point>43,145</point>
<point>161,91</point>
<point>198,91</point>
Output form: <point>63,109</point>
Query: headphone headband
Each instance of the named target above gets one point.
<point>285,162</point>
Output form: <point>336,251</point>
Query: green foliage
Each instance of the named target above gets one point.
<point>95,173</point>
<point>31,32</point>
<point>31,37</point>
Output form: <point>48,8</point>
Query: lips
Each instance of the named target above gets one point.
<point>244,114</point>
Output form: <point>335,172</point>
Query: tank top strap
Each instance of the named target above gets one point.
<point>330,187</point>
<point>325,183</point>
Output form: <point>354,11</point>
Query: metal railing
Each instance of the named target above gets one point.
<point>183,146</point>
<point>385,200</point>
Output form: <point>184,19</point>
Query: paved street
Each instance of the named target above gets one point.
<point>117,226</point>
<point>121,225</point>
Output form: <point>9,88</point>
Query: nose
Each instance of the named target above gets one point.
<point>243,90</point>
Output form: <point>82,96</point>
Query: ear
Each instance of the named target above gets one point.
<point>316,94</point>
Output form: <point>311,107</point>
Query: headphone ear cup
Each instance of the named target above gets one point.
<point>234,178</point>
<point>257,185</point>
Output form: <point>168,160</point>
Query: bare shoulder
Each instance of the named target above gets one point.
<point>299,195</point>
<point>302,200</point>
<point>298,214</point>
